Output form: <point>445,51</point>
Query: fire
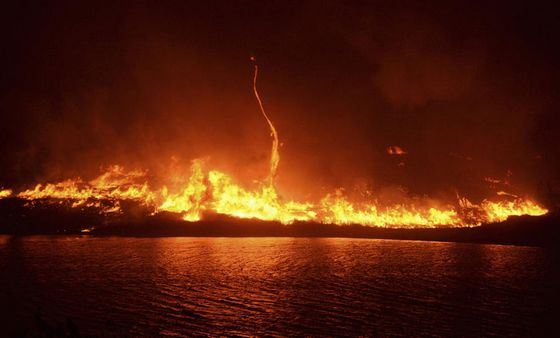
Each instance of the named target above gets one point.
<point>5,193</point>
<point>500,211</point>
<point>189,201</point>
<point>114,184</point>
<point>214,191</point>
<point>396,150</point>
<point>211,191</point>
<point>229,198</point>
<point>338,210</point>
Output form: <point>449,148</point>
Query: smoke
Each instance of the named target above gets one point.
<point>460,80</point>
<point>467,92</point>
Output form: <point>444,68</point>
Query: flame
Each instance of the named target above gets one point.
<point>500,211</point>
<point>338,210</point>
<point>396,150</point>
<point>190,201</point>
<point>213,191</point>
<point>4,193</point>
<point>114,184</point>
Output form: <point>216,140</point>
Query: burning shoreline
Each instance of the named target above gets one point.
<point>21,217</point>
<point>215,192</point>
<point>211,191</point>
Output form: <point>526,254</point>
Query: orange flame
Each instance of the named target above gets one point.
<point>4,193</point>
<point>338,210</point>
<point>396,150</point>
<point>114,184</point>
<point>215,191</point>
<point>500,211</point>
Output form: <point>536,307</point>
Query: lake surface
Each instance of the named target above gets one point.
<point>274,286</point>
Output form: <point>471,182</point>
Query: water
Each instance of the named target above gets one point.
<point>274,286</point>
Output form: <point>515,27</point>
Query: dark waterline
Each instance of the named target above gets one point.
<point>278,286</point>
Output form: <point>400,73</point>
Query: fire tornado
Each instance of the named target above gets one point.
<point>274,155</point>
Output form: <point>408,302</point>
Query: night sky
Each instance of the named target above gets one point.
<point>468,90</point>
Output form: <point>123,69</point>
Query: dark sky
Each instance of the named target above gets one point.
<point>469,90</point>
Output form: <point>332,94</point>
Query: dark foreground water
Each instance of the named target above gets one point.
<point>274,286</point>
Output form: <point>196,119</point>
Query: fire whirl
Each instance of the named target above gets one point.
<point>212,191</point>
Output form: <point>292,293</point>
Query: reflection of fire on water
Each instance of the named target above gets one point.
<point>214,191</point>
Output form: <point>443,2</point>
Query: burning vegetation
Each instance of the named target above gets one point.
<point>5,193</point>
<point>210,191</point>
